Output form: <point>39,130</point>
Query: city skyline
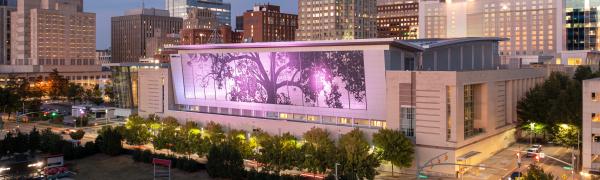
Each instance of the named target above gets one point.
<point>108,8</point>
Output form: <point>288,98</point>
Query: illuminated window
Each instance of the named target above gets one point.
<point>595,118</point>
<point>301,117</point>
<point>283,116</point>
<point>343,120</point>
<point>375,123</point>
<point>361,122</point>
<point>574,61</point>
<point>594,97</point>
<point>312,118</point>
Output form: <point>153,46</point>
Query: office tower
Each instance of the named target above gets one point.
<point>533,28</point>
<point>5,10</point>
<point>200,19</point>
<point>581,33</point>
<point>53,32</point>
<point>336,19</point>
<point>129,32</point>
<point>397,19</point>
<point>180,8</point>
<point>266,23</point>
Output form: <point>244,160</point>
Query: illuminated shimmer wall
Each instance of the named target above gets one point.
<point>330,79</point>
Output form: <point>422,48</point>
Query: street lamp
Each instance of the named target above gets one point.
<point>532,126</point>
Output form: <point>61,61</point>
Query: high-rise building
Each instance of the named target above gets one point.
<point>129,32</point>
<point>336,19</point>
<point>53,32</point>
<point>200,19</point>
<point>533,28</point>
<point>49,35</point>
<point>590,126</point>
<point>581,33</point>
<point>397,19</point>
<point>5,10</point>
<point>180,8</point>
<point>266,23</point>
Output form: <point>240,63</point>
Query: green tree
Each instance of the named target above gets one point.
<point>9,101</point>
<point>355,158</point>
<point>77,135</point>
<point>566,135</point>
<point>74,92</point>
<point>536,173</point>
<point>109,92</point>
<point>214,133</point>
<point>57,85</point>
<point>256,138</point>
<point>166,137</point>
<point>188,139</point>
<point>137,131</point>
<point>34,140</point>
<point>9,143</point>
<point>239,140</point>
<point>3,149</point>
<point>394,147</point>
<point>109,140</point>
<point>319,151</point>
<point>280,153</point>
<point>225,161</point>
<point>21,141</point>
<point>582,73</point>
<point>50,142</point>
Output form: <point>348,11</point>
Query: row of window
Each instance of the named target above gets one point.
<point>310,118</point>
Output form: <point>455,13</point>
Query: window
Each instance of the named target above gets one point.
<point>344,120</point>
<point>284,116</point>
<point>594,97</point>
<point>259,114</point>
<point>361,122</point>
<point>300,117</point>
<point>273,115</point>
<point>469,107</point>
<point>312,118</point>
<point>377,123</point>
<point>597,139</point>
<point>595,118</point>
<point>328,119</point>
<point>407,120</point>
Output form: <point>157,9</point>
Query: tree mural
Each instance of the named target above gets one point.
<point>334,79</point>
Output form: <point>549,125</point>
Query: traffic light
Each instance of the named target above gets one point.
<point>54,114</point>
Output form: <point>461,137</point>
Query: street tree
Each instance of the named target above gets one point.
<point>239,140</point>
<point>74,92</point>
<point>109,140</point>
<point>356,159</point>
<point>166,136</point>
<point>57,85</point>
<point>225,161</point>
<point>137,131</point>
<point>536,173</point>
<point>280,153</point>
<point>77,135</point>
<point>393,146</point>
<point>50,142</point>
<point>214,133</point>
<point>34,140</point>
<point>319,151</point>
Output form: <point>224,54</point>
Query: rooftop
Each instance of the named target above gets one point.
<point>414,45</point>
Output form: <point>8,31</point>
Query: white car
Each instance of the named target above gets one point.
<point>538,147</point>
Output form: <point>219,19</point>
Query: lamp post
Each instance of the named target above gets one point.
<point>532,127</point>
<point>336,171</point>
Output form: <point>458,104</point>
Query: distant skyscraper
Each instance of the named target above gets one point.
<point>397,19</point>
<point>180,8</point>
<point>533,28</point>
<point>339,19</point>
<point>130,32</point>
<point>200,19</point>
<point>265,23</point>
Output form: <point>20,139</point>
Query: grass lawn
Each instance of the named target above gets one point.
<point>122,167</point>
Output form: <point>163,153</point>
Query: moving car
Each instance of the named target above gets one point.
<point>532,152</point>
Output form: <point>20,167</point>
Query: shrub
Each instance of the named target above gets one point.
<point>77,135</point>
<point>109,141</point>
<point>225,161</point>
<point>182,163</point>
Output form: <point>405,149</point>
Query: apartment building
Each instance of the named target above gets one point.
<point>398,19</point>
<point>336,19</point>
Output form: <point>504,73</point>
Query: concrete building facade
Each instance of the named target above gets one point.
<point>591,126</point>
<point>265,23</point>
<point>336,20</point>
<point>398,19</point>
<point>130,32</point>
<point>534,28</point>
<point>103,56</point>
<point>200,19</point>
<point>5,22</point>
<point>446,98</point>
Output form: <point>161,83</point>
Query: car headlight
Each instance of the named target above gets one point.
<point>4,169</point>
<point>38,164</point>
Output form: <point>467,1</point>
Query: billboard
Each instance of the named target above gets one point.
<point>331,79</point>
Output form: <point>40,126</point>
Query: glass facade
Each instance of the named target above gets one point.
<point>179,8</point>
<point>407,118</point>
<point>581,24</point>
<point>469,107</point>
<point>125,83</point>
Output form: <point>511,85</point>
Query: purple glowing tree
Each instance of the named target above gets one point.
<point>334,78</point>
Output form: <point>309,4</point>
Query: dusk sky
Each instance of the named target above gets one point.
<point>105,9</point>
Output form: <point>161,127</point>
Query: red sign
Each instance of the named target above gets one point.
<point>162,162</point>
